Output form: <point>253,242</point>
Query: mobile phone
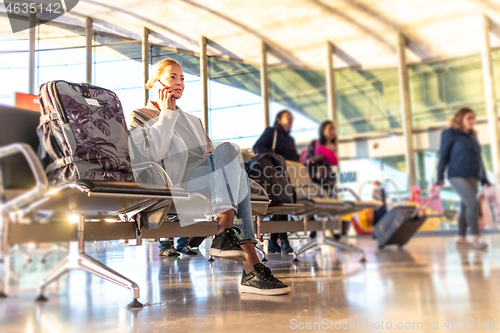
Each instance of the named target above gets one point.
<point>158,85</point>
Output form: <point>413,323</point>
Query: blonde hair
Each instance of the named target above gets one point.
<point>158,70</point>
<point>457,121</point>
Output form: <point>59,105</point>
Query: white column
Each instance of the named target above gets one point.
<point>32,44</point>
<point>264,85</point>
<point>145,62</point>
<point>88,48</point>
<point>490,96</point>
<point>330,84</point>
<point>404,93</point>
<point>204,81</point>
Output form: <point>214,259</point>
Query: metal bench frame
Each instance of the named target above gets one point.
<point>318,205</point>
<point>83,203</point>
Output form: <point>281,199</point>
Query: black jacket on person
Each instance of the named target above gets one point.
<point>461,153</point>
<point>285,144</point>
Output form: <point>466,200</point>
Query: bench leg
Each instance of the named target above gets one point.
<point>322,240</point>
<point>61,269</point>
<point>304,248</point>
<point>93,266</point>
<point>345,246</point>
<point>2,292</point>
<point>261,252</point>
<point>17,248</point>
<point>77,259</point>
<point>54,248</point>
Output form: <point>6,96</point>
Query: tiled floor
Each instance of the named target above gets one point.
<point>429,281</point>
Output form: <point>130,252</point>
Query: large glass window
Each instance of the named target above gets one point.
<point>117,66</point>
<point>303,94</point>
<point>367,100</point>
<point>235,104</point>
<point>60,54</point>
<point>14,62</point>
<point>438,89</point>
<point>495,55</point>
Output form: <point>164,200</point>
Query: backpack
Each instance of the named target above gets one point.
<point>83,131</point>
<point>269,171</point>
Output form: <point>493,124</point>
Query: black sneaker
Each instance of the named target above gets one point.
<point>187,250</point>
<point>227,246</point>
<point>261,281</point>
<point>169,253</point>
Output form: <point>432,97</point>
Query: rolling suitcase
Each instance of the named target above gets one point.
<point>398,225</point>
<point>83,131</point>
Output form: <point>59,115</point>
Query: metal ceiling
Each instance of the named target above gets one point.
<point>364,32</point>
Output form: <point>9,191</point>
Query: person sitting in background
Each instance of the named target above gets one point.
<point>460,153</point>
<point>161,132</point>
<point>278,137</point>
<point>379,195</point>
<point>321,156</point>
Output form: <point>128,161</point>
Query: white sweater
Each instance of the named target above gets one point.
<point>155,137</point>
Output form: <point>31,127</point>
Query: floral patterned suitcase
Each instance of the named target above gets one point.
<point>83,130</point>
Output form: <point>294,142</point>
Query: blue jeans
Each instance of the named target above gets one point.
<point>181,243</point>
<point>244,222</point>
<point>227,187</point>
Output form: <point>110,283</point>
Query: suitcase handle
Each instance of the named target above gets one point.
<point>422,205</point>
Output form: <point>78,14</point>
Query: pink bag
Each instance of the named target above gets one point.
<point>434,201</point>
<point>488,202</point>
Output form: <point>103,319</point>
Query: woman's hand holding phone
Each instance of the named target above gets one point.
<point>166,99</point>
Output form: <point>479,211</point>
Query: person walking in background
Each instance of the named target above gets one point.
<point>278,137</point>
<point>460,154</point>
<point>379,195</point>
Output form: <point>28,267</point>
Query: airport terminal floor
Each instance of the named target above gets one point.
<point>428,282</point>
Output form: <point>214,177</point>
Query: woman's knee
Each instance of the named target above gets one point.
<point>226,149</point>
<point>224,156</point>
<point>470,203</point>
